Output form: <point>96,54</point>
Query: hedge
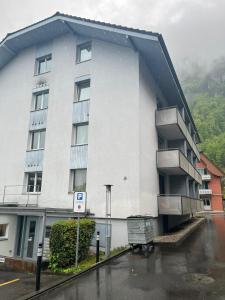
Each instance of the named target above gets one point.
<point>63,240</point>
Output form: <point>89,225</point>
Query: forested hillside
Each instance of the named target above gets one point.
<point>205,92</point>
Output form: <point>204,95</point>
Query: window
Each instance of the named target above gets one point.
<point>34,182</point>
<point>79,180</point>
<point>3,231</point>
<point>43,64</point>
<point>40,100</point>
<point>37,140</point>
<point>83,90</point>
<point>83,52</point>
<point>81,134</point>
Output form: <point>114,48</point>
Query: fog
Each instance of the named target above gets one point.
<point>192,29</point>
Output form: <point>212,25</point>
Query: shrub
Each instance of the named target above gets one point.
<point>63,240</point>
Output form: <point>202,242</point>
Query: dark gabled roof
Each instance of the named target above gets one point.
<point>211,167</point>
<point>150,44</point>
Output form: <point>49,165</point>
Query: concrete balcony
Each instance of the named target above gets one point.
<point>205,192</point>
<point>171,126</point>
<point>34,160</point>
<point>173,162</point>
<point>81,112</point>
<point>206,177</point>
<point>38,119</point>
<point>178,205</point>
<point>78,157</point>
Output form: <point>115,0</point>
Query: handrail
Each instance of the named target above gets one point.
<point>26,192</point>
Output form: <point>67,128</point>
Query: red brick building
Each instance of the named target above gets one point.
<point>211,189</point>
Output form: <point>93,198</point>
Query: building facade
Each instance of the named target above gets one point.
<point>211,189</point>
<point>84,104</point>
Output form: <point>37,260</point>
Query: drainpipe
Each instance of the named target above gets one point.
<point>43,228</point>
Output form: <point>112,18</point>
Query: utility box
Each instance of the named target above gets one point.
<point>140,230</point>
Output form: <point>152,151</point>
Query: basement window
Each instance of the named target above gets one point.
<point>3,231</point>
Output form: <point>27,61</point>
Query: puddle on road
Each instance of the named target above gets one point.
<point>198,278</point>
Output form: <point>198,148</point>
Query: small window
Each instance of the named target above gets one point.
<point>37,139</point>
<point>43,64</point>
<point>40,100</point>
<point>79,180</point>
<point>34,182</point>
<point>83,90</point>
<point>81,134</point>
<point>47,231</point>
<point>83,52</point>
<point>3,231</point>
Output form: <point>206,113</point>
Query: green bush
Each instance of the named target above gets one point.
<point>63,240</point>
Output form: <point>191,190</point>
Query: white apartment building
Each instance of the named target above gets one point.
<point>84,104</point>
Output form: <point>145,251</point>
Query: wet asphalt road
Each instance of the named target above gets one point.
<point>194,270</point>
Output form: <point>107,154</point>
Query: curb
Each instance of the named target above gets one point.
<point>69,279</point>
<point>180,238</point>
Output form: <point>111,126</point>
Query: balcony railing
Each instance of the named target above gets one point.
<point>34,160</point>
<point>19,195</point>
<point>205,192</point>
<point>38,119</point>
<point>178,205</point>
<point>168,120</point>
<point>78,157</point>
<point>173,162</point>
<point>206,177</point>
<point>81,112</point>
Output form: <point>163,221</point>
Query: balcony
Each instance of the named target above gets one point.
<point>38,119</point>
<point>171,126</point>
<point>78,157</point>
<point>178,205</point>
<point>81,112</point>
<point>205,192</point>
<point>206,177</point>
<point>34,160</point>
<point>173,162</point>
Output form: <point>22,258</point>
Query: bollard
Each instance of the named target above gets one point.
<point>38,270</point>
<point>97,246</point>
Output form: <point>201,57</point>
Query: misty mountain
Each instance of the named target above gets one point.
<point>205,92</point>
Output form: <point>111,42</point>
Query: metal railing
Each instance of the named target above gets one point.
<point>20,195</point>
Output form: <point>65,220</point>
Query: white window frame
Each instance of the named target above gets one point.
<point>74,140</point>
<point>39,138</point>
<point>44,59</point>
<point>80,47</point>
<point>78,86</point>
<point>35,191</point>
<point>35,95</point>
<point>72,180</point>
<point>4,237</point>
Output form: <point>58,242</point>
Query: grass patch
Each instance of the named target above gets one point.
<point>87,263</point>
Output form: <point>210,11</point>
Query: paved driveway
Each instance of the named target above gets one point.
<point>194,270</point>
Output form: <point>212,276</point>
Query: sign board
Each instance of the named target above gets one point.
<point>79,202</point>
<point>2,260</point>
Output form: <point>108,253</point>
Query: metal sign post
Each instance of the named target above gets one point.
<point>78,236</point>
<point>79,206</point>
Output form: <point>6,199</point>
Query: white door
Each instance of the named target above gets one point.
<point>207,204</point>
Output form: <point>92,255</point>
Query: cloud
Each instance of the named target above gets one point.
<point>192,29</point>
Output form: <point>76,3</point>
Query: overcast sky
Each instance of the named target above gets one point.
<point>192,29</point>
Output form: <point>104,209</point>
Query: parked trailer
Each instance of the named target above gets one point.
<point>140,233</point>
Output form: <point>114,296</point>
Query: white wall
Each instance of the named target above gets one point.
<point>113,130</point>
<point>7,246</point>
<point>148,143</point>
<point>122,136</point>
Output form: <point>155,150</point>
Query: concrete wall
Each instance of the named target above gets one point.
<point>7,246</point>
<point>148,139</point>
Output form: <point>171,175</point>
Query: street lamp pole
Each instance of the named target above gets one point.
<point>108,219</point>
